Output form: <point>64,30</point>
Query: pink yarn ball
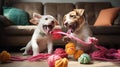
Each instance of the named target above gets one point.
<point>61,52</point>
<point>51,60</point>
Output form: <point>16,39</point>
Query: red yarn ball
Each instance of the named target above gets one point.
<point>51,60</point>
<point>61,52</point>
<point>56,35</point>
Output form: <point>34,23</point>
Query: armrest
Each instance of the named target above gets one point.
<point>4,21</point>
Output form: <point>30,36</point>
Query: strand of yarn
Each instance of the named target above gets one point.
<point>75,38</point>
<point>42,56</point>
<point>17,58</point>
<point>106,54</point>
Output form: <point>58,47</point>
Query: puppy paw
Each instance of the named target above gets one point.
<point>24,54</point>
<point>50,51</point>
<point>93,40</point>
<point>22,49</point>
<point>66,39</point>
<point>35,54</point>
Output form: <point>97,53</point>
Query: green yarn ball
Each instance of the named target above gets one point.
<point>84,59</point>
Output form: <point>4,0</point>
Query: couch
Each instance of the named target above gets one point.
<point>19,35</point>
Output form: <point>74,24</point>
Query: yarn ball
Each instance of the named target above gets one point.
<point>61,52</point>
<point>5,56</point>
<point>54,33</point>
<point>70,48</point>
<point>69,44</point>
<point>84,59</point>
<point>51,60</point>
<point>77,54</point>
<point>61,62</point>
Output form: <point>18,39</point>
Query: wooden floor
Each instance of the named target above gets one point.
<point>71,63</point>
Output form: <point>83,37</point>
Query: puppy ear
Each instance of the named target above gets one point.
<point>33,21</point>
<point>36,15</point>
<point>35,18</point>
<point>79,11</point>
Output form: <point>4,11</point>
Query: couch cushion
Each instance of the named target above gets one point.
<point>30,7</point>
<point>19,30</point>
<point>92,9</point>
<point>105,30</point>
<point>4,21</point>
<point>106,17</point>
<point>58,10</point>
<point>109,41</point>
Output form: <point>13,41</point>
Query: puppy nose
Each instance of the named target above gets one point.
<point>66,24</point>
<point>52,22</point>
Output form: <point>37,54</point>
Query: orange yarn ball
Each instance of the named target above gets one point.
<point>70,51</point>
<point>70,48</point>
<point>61,62</point>
<point>4,56</point>
<point>77,54</point>
<point>70,44</point>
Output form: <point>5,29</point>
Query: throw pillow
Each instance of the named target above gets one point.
<point>117,20</point>
<point>106,16</point>
<point>17,16</point>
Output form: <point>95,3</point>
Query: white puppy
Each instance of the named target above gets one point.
<point>41,38</point>
<point>78,27</point>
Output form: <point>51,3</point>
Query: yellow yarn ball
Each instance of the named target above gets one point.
<point>61,62</point>
<point>4,56</point>
<point>70,51</point>
<point>70,44</point>
<point>70,48</point>
<point>77,54</point>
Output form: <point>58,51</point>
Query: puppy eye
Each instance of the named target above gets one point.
<point>46,18</point>
<point>73,16</point>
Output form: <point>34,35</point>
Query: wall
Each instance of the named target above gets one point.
<point>114,2</point>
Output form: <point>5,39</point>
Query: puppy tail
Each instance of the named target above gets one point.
<point>22,49</point>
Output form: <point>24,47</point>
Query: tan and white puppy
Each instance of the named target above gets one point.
<point>75,22</point>
<point>41,38</point>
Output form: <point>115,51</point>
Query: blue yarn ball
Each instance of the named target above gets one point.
<point>84,59</point>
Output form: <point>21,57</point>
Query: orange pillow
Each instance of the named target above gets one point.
<point>107,16</point>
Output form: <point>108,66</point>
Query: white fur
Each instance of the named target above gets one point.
<point>40,42</point>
